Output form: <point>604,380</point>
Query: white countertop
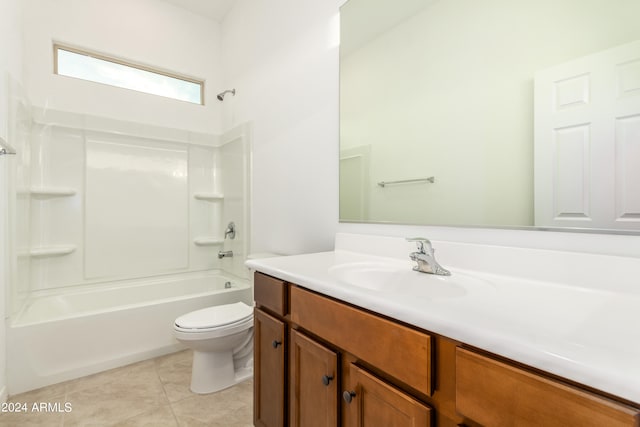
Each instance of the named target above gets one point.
<point>587,334</point>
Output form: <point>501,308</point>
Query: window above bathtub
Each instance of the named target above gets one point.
<point>85,65</point>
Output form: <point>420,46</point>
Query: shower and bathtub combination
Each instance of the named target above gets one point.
<point>116,227</point>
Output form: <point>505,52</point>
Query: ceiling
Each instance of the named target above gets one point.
<point>214,9</point>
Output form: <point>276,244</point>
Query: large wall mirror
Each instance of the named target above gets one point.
<point>492,113</point>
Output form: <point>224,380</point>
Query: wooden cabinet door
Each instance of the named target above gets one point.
<point>314,384</point>
<point>371,402</point>
<point>269,370</point>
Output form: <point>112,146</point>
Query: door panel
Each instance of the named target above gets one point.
<point>269,371</point>
<point>314,383</point>
<point>374,403</point>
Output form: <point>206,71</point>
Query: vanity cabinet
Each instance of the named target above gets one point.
<point>320,362</point>
<point>340,365</point>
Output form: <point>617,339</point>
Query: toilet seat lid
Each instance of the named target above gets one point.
<point>216,316</point>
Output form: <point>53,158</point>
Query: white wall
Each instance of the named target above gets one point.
<point>282,58</point>
<point>10,64</point>
<point>148,32</point>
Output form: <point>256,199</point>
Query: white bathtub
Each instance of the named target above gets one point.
<point>67,335</point>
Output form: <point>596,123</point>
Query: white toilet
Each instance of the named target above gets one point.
<point>221,338</point>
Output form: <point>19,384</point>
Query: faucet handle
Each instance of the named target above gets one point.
<point>421,242</point>
<point>230,231</point>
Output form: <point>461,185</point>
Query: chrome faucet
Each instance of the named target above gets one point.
<point>425,258</point>
<point>225,254</point>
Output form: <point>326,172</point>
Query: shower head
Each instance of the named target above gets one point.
<point>222,94</point>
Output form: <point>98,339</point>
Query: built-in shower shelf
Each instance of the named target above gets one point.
<point>208,241</point>
<point>46,192</point>
<point>208,196</point>
<point>48,251</point>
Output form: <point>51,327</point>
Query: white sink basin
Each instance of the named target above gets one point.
<point>400,278</point>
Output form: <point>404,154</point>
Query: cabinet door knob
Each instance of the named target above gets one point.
<point>348,396</point>
<point>326,379</point>
<point>276,343</point>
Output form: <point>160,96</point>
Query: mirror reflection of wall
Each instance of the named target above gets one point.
<point>446,89</point>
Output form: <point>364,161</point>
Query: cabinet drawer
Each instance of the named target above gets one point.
<point>494,393</point>
<point>270,293</point>
<point>401,352</point>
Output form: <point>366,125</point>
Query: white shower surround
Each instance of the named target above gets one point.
<point>97,182</point>
<point>110,200</point>
<point>123,225</point>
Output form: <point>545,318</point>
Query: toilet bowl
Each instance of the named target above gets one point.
<point>221,338</point>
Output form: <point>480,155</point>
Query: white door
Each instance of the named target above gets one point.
<point>587,141</point>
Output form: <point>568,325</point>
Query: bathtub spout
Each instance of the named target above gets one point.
<point>225,254</point>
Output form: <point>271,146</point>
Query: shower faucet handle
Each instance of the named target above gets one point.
<point>230,232</point>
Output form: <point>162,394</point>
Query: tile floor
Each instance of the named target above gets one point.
<point>153,393</point>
